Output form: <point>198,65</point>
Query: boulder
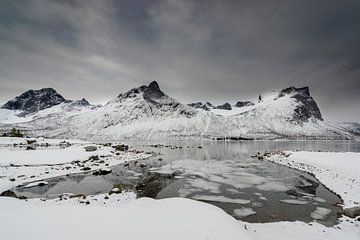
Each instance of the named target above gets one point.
<point>8,193</point>
<point>103,171</point>
<point>90,148</point>
<point>352,212</point>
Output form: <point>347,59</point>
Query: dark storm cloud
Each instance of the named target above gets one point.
<point>197,50</point>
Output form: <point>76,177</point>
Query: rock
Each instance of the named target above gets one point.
<point>139,186</point>
<point>29,142</point>
<point>80,195</point>
<point>12,179</point>
<point>121,147</point>
<point>8,193</point>
<point>116,189</point>
<point>142,165</point>
<point>206,106</point>
<point>160,159</point>
<point>86,168</point>
<point>94,158</point>
<point>103,171</point>
<point>225,106</point>
<point>293,192</point>
<point>244,103</point>
<point>90,148</point>
<point>352,212</point>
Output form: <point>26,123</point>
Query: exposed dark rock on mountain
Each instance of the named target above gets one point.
<point>155,99</point>
<point>225,106</point>
<point>35,100</point>
<point>244,103</point>
<point>206,106</point>
<point>81,102</point>
<point>307,107</point>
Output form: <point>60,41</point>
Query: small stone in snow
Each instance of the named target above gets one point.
<point>90,148</point>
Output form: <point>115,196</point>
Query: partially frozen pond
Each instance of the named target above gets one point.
<point>220,173</point>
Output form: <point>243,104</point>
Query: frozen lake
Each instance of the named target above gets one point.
<point>220,173</point>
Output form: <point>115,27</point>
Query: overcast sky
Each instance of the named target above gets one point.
<point>197,50</point>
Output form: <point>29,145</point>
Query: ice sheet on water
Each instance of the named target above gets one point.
<point>243,212</point>
<point>263,198</point>
<point>320,213</point>
<point>294,201</point>
<point>210,175</point>
<point>220,199</point>
<point>33,184</point>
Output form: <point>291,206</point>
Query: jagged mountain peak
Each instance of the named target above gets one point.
<point>225,106</point>
<point>35,100</point>
<point>206,106</point>
<point>307,106</point>
<point>152,91</point>
<point>303,91</point>
<point>81,102</point>
<point>151,100</point>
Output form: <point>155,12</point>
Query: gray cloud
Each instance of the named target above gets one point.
<point>197,50</point>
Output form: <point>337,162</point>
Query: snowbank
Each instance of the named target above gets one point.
<point>347,229</point>
<point>48,156</point>
<point>339,171</point>
<point>40,140</point>
<point>173,218</point>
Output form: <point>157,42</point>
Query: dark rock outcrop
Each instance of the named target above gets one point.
<point>225,106</point>
<point>307,107</point>
<point>35,100</point>
<point>244,103</point>
<point>81,102</point>
<point>206,106</point>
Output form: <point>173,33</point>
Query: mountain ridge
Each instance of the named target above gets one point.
<point>146,112</point>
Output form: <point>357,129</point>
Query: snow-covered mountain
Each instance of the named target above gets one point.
<point>34,100</point>
<point>147,112</point>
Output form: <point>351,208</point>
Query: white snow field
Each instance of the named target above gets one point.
<point>48,156</point>
<point>339,171</point>
<point>174,218</point>
<point>121,216</point>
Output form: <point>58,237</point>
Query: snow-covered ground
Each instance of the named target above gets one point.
<point>124,217</point>
<point>10,141</point>
<point>175,218</point>
<point>339,171</point>
<point>348,229</point>
<point>18,166</point>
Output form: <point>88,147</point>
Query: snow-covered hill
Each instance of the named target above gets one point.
<point>148,113</point>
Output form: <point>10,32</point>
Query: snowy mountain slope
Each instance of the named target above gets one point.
<point>148,113</point>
